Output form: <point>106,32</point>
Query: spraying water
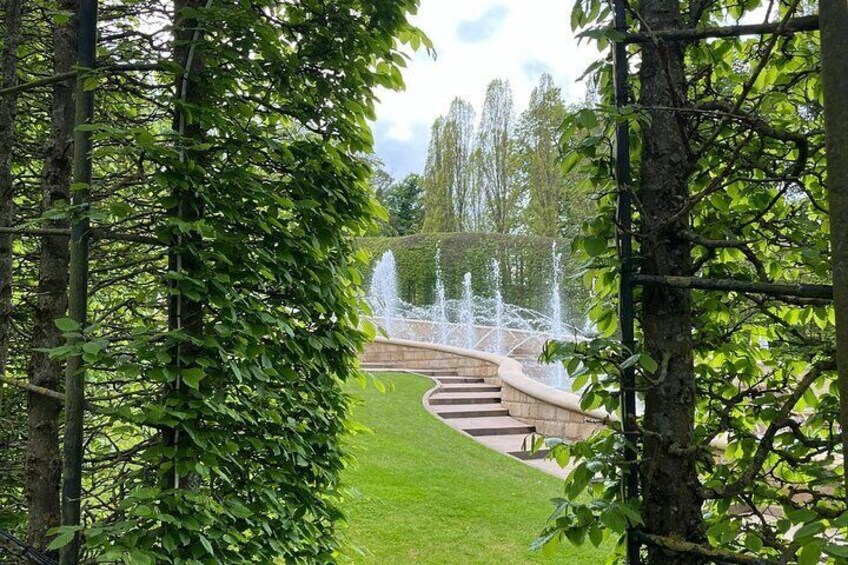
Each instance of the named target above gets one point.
<point>441,303</point>
<point>499,306</point>
<point>486,323</point>
<point>557,329</point>
<point>383,296</point>
<point>466,312</point>
<point>556,298</point>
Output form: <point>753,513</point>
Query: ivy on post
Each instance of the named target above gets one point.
<point>185,305</point>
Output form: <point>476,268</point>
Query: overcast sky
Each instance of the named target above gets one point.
<point>476,41</point>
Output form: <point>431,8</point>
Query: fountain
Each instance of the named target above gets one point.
<point>499,306</point>
<point>557,329</point>
<point>476,322</point>
<point>466,313</point>
<point>556,297</point>
<point>441,303</point>
<point>383,296</point>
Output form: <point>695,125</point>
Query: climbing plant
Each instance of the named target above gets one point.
<point>230,185</point>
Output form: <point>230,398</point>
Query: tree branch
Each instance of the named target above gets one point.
<point>767,440</point>
<point>704,551</point>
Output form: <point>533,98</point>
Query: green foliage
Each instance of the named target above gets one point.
<point>765,384</point>
<point>221,441</point>
<point>526,267</point>
<point>549,209</point>
<point>403,202</point>
<point>503,174</point>
<point>438,182</point>
<point>498,159</point>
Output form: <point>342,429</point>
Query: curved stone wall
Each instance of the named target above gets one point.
<point>554,412</point>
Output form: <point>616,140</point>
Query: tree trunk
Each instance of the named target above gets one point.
<point>44,462</point>
<point>669,480</point>
<point>8,109</point>
<point>184,313</point>
<point>833,17</point>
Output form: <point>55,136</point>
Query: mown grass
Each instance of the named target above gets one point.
<point>422,493</point>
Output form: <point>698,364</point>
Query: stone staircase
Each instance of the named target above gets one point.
<point>472,406</point>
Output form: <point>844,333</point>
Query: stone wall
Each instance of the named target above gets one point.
<point>550,420</point>
<point>413,355</point>
<point>554,413</point>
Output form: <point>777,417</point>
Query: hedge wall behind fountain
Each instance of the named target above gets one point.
<point>526,268</point>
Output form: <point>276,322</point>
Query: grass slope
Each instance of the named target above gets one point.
<point>422,493</point>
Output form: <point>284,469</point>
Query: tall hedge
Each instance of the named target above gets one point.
<point>526,265</point>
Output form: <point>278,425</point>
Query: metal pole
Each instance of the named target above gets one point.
<point>78,283</point>
<point>624,223</point>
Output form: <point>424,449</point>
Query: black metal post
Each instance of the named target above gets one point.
<point>624,223</point>
<point>78,283</point>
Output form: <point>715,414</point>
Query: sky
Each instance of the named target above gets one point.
<point>476,41</point>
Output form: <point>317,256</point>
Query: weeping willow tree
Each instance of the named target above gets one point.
<point>228,187</point>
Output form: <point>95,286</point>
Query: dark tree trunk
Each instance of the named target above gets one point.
<point>184,254</point>
<point>669,480</point>
<point>44,462</point>
<point>834,41</point>
<point>8,109</point>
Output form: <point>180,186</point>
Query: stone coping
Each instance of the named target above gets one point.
<point>511,373</point>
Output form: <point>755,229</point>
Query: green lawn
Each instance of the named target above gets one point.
<point>423,493</point>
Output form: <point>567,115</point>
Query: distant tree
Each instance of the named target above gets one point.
<point>497,162</point>
<point>440,215</point>
<point>404,202</point>
<point>477,217</point>
<point>458,140</point>
<point>546,184</point>
<point>381,180</point>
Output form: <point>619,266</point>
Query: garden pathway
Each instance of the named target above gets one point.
<point>473,407</point>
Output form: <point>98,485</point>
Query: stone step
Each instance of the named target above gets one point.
<point>480,422</point>
<point>467,387</point>
<point>549,466</point>
<point>458,380</point>
<point>428,371</point>
<point>498,426</point>
<point>507,443</point>
<point>471,411</point>
<point>465,398</point>
<point>528,456</point>
<point>504,431</point>
<point>436,373</point>
<point>385,367</point>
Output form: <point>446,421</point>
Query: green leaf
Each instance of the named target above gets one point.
<point>206,545</point>
<point>647,362</point>
<point>595,245</point>
<point>66,325</point>
<point>138,557</point>
<point>192,377</point>
<point>810,553</point>
<point>62,539</point>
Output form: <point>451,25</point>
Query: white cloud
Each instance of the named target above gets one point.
<point>527,38</point>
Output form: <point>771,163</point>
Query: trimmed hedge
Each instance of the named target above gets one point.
<point>526,267</point>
